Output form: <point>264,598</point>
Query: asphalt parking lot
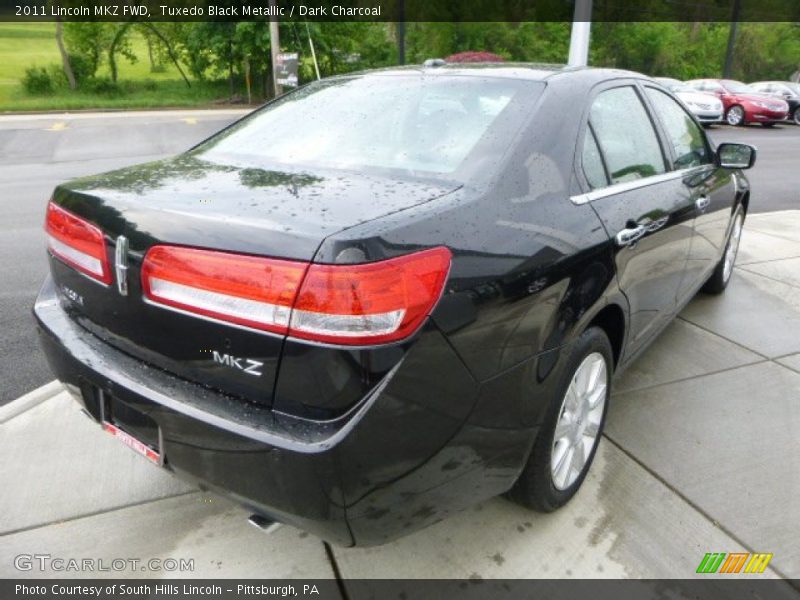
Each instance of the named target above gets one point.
<point>701,452</point>
<point>36,153</point>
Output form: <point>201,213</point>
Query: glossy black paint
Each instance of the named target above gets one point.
<point>192,202</point>
<point>362,445</point>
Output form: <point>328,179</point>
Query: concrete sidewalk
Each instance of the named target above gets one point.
<point>701,454</point>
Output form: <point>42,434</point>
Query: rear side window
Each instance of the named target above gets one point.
<point>686,137</point>
<point>593,167</point>
<point>626,135</point>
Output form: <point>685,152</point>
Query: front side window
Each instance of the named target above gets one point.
<point>625,135</point>
<point>686,137</point>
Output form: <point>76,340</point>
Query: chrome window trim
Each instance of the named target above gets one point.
<point>627,186</point>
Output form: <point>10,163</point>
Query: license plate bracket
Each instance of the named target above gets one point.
<point>134,444</point>
<point>133,428</point>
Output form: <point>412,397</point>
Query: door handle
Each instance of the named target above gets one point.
<point>629,235</point>
<point>702,203</point>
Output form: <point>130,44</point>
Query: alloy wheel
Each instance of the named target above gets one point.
<point>735,115</point>
<point>733,248</point>
<point>578,426</point>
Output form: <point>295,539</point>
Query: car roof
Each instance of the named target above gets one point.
<point>511,70</point>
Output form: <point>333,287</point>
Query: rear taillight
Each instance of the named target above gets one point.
<point>246,290</point>
<point>369,303</point>
<point>362,304</point>
<point>78,243</point>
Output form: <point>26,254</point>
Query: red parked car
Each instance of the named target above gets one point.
<point>743,104</point>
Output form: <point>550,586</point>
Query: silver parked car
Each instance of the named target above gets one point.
<point>788,90</point>
<point>706,107</point>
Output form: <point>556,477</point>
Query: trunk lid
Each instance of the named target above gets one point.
<point>188,201</point>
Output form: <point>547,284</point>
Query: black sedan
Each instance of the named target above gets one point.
<point>385,297</point>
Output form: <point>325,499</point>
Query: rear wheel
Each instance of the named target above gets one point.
<point>796,116</point>
<point>735,116</point>
<point>567,442</point>
<point>721,276</point>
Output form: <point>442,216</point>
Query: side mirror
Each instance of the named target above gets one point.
<point>735,156</point>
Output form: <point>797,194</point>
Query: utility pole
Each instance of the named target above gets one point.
<point>275,47</point>
<point>581,29</point>
<point>401,43</point>
<point>727,70</point>
<point>401,33</point>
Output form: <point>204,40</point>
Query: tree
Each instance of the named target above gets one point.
<point>87,41</point>
<point>65,62</point>
<point>151,28</point>
<point>120,44</point>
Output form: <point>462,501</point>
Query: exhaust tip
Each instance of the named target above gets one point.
<point>263,524</point>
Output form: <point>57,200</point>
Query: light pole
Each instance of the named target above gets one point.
<point>727,68</point>
<point>401,32</point>
<point>581,28</point>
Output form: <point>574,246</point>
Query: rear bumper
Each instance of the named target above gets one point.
<point>403,457</point>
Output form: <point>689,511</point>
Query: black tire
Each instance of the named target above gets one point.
<point>535,487</point>
<point>796,116</point>
<point>721,277</point>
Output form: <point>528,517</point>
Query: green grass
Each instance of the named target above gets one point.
<point>24,45</point>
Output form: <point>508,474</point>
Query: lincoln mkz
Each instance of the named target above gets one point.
<point>388,296</point>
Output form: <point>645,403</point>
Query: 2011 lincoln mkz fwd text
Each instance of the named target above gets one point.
<point>384,297</point>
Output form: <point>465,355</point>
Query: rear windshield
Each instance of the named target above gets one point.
<point>411,123</point>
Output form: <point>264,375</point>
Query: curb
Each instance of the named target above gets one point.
<point>142,112</point>
<point>29,400</point>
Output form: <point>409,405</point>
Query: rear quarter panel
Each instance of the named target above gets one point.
<point>529,266</point>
